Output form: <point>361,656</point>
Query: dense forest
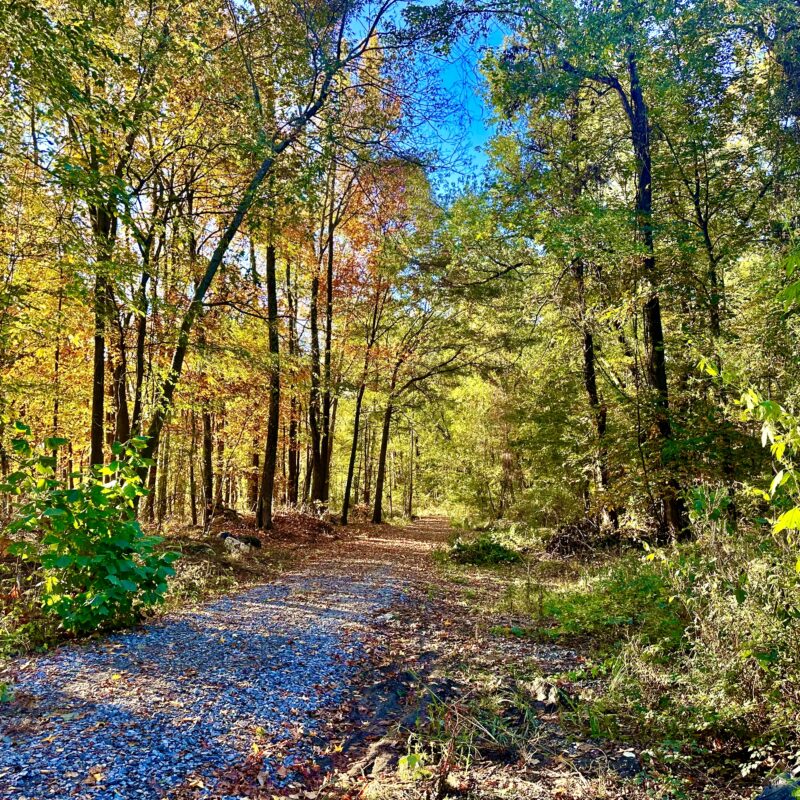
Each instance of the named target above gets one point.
<point>252,265</point>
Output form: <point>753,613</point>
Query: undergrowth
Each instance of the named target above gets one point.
<point>483,550</point>
<point>205,570</point>
<point>698,643</point>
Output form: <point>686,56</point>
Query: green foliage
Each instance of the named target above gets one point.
<point>483,551</point>
<point>700,641</point>
<point>781,430</point>
<point>98,567</point>
<point>607,605</point>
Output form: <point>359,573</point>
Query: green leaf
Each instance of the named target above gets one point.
<point>54,512</point>
<point>789,520</point>
<point>21,446</point>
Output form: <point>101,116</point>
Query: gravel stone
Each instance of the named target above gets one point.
<point>138,713</point>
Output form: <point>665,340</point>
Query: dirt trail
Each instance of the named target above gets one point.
<point>174,704</point>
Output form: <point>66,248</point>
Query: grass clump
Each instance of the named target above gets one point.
<point>485,550</point>
<point>606,605</point>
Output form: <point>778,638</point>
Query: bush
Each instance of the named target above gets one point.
<point>482,551</point>
<point>98,568</point>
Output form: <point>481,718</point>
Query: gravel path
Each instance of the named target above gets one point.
<point>170,704</point>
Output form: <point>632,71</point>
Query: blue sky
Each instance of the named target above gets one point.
<point>465,134</point>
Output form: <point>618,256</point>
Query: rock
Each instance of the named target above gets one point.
<point>626,764</point>
<point>235,546</point>
<point>545,695</point>
<point>243,539</point>
<point>787,789</point>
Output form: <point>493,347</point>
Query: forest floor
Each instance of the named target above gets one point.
<point>363,670</point>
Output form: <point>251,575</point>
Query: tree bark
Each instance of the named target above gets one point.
<point>163,475</point>
<point>254,479</point>
<point>410,492</point>
<point>219,420</point>
<point>318,473</point>
<point>598,408</point>
<point>192,472</point>
<point>208,469</point>
<point>325,439</point>
<point>293,480</point>
<point>264,512</point>
<point>377,511</point>
<point>674,511</point>
<point>98,374</point>
<point>353,452</point>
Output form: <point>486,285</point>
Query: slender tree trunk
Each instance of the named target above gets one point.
<point>208,469</point>
<point>264,513</point>
<point>325,439</point>
<point>331,441</point>
<point>139,354</point>
<point>104,233</point>
<point>293,479</point>
<point>309,474</point>
<point>392,483</point>
<point>412,452</point>
<point>98,373</point>
<point>357,482</point>
<point>353,451</point>
<point>598,408</point>
<point>122,428</point>
<point>377,511</point>
<point>318,474</point>
<point>674,510</point>
<point>599,411</point>
<point>254,478</point>
<point>192,472</point>
<point>219,420</point>
<point>369,438</point>
<point>163,475</point>
<point>150,504</point>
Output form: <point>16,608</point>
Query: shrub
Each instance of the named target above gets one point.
<point>482,551</point>
<point>99,569</point>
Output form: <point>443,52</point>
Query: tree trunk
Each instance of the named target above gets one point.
<point>208,469</point>
<point>369,439</point>
<point>163,475</point>
<point>98,373</point>
<point>293,479</point>
<point>318,473</point>
<point>325,439</point>
<point>192,473</point>
<point>219,420</point>
<point>264,513</point>
<point>150,504</point>
<point>674,510</point>
<point>254,478</point>
<point>353,452</point>
<point>377,512</point>
<point>410,492</point>
<point>104,227</point>
<point>598,408</point>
